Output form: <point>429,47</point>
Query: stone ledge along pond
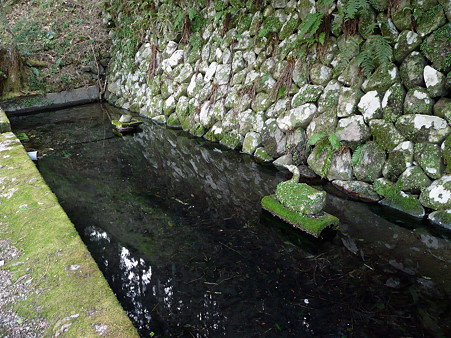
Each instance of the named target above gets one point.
<point>176,226</point>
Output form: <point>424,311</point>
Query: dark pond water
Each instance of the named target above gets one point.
<point>176,226</point>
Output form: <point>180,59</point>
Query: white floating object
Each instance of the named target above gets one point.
<point>33,155</point>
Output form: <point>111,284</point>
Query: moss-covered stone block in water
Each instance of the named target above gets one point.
<point>430,20</point>
<point>438,195</point>
<point>429,158</point>
<point>385,134</point>
<point>232,140</point>
<point>261,155</point>
<point>197,130</point>
<point>312,224</point>
<point>436,48</point>
<point>251,142</point>
<point>215,134</point>
<point>300,197</point>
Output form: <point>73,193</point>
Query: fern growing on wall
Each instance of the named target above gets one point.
<point>377,51</point>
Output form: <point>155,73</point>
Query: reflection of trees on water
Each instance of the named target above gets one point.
<point>149,300</point>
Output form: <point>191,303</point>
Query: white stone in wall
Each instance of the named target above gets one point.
<point>222,75</point>
<point>210,71</point>
<point>278,108</point>
<point>435,82</point>
<point>347,101</point>
<point>238,62</point>
<point>244,42</point>
<point>251,76</point>
<point>143,53</point>
<point>252,140</point>
<point>232,97</point>
<point>297,117</point>
<point>250,58</point>
<point>279,3</point>
<point>205,92</point>
<point>205,116</point>
<point>205,53</point>
<point>218,110</point>
<point>370,106</point>
<point>268,84</point>
<point>171,47</point>
<point>247,121</point>
<point>353,129</point>
<point>207,32</point>
<point>239,78</point>
<point>185,74</point>
<point>242,103</point>
<point>169,105</point>
<point>218,55</point>
<point>196,83</point>
<point>226,56</point>
<point>176,58</point>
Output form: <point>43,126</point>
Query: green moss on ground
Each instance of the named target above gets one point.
<point>66,278</point>
<point>312,224</point>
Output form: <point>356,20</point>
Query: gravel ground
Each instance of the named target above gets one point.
<point>11,292</point>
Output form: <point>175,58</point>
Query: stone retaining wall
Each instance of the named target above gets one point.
<point>363,99</point>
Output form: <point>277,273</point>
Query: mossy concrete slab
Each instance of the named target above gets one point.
<point>312,224</point>
<point>71,293</point>
<point>4,122</point>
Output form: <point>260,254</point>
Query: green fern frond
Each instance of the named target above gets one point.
<point>334,141</point>
<point>315,138</point>
<point>355,159</point>
<point>354,8</point>
<point>365,60</point>
<point>310,24</point>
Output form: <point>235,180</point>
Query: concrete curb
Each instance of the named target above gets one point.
<point>51,101</point>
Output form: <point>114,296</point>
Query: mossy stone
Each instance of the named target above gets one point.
<point>411,70</point>
<point>385,134</point>
<point>347,101</point>
<point>399,159</point>
<point>4,122</point>
<point>232,140</point>
<point>418,101</point>
<point>367,22</point>
<point>313,225</point>
<point>383,78</point>
<point>406,43</point>
<point>300,197</point>
<point>262,156</point>
<point>402,15</point>
<point>430,20</point>
<point>289,26</point>
<point>197,130</point>
<point>446,153</point>
<point>405,203</point>
<point>173,121</point>
<point>392,102</point>
<point>435,82</point>
<point>436,48</point>
<point>438,195</point>
<point>368,166</point>
<point>441,218</point>
<point>357,190</point>
<point>215,134</point>
<point>429,158</point>
<point>423,128</point>
<point>388,29</point>
<point>413,180</point>
<point>251,142</point>
<point>328,100</point>
<point>307,93</point>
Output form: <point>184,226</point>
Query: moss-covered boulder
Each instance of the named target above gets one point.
<point>438,195</point>
<point>387,27</point>
<point>4,122</point>
<point>423,128</point>
<point>353,130</point>
<point>251,142</point>
<point>406,43</point>
<point>441,218</point>
<point>413,180</point>
<point>320,74</point>
<point>290,25</point>
<point>383,78</point>
<point>411,70</point>
<point>446,153</point>
<point>442,108</point>
<point>261,102</point>
<point>296,117</point>
<point>370,106</point>
<point>430,20</point>
<point>300,197</point>
<point>402,15</point>
<point>348,72</point>
<point>357,190</point>
<point>385,134</point>
<point>393,102</point>
<point>340,168</point>
<point>215,134</point>
<point>435,82</point>
<point>347,101</point>
<point>307,93</point>
<point>399,159</point>
<point>232,140</point>
<point>418,101</point>
<point>262,156</point>
<point>405,203</point>
<point>368,162</point>
<point>429,158</point>
<point>174,122</point>
<point>436,48</point>
<point>328,100</point>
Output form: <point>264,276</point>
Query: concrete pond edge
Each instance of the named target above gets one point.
<point>69,292</point>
